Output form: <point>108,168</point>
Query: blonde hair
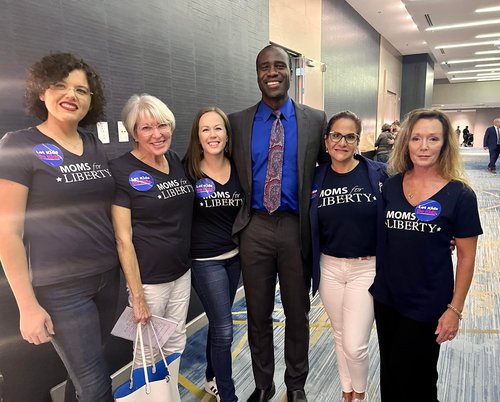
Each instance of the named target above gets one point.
<point>140,105</point>
<point>449,162</point>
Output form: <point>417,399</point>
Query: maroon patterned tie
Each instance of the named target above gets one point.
<point>272,185</point>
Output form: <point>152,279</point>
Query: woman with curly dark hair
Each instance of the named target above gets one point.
<point>56,239</point>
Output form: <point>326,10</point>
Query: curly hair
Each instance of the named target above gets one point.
<point>449,162</point>
<point>194,153</point>
<point>54,68</point>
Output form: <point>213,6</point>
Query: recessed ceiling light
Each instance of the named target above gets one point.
<point>491,35</point>
<point>470,60</point>
<point>487,52</point>
<point>487,65</point>
<point>483,74</point>
<point>463,25</point>
<point>472,71</point>
<point>488,9</point>
<point>463,78</point>
<point>489,42</point>
<point>489,79</point>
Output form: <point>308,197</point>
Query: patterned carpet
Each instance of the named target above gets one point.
<point>469,366</point>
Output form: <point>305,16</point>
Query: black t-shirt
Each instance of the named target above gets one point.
<point>67,230</point>
<point>347,214</point>
<point>161,209</point>
<point>416,275</point>
<point>215,209</point>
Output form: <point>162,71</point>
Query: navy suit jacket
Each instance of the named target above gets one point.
<point>311,125</point>
<point>490,138</point>
<point>377,175</point>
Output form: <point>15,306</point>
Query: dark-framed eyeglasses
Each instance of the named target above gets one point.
<point>350,138</point>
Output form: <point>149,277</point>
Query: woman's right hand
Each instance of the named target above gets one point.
<point>141,310</point>
<point>36,325</point>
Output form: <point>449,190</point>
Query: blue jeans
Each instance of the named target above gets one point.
<point>215,283</point>
<point>83,312</point>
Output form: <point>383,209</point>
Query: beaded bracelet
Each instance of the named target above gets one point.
<point>455,310</point>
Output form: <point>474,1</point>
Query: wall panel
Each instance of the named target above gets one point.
<point>189,53</point>
<point>350,48</point>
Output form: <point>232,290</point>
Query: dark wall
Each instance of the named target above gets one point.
<point>350,49</point>
<point>189,53</point>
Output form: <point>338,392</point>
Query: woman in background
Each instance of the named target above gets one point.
<point>56,238</point>
<point>216,264</point>
<point>418,300</point>
<point>346,215</point>
<point>384,143</point>
<point>152,213</point>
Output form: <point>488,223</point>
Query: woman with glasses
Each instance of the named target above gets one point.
<point>346,211</point>
<point>152,213</point>
<point>56,238</point>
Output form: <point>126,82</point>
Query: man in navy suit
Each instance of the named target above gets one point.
<point>278,243</point>
<point>492,142</point>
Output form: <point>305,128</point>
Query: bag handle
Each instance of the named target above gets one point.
<point>167,377</point>
<point>139,343</point>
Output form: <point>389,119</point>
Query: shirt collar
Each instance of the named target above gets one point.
<point>287,110</point>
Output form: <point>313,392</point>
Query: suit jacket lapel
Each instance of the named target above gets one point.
<point>247,125</point>
<point>302,137</point>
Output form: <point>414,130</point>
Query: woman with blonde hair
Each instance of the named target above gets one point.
<point>418,299</point>
<point>152,213</point>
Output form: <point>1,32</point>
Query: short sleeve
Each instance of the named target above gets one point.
<point>467,222</point>
<point>16,159</point>
<point>122,196</point>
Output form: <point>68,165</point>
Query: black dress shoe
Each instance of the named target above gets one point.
<point>296,396</point>
<point>262,395</point>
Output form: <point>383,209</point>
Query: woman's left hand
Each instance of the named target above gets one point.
<point>447,328</point>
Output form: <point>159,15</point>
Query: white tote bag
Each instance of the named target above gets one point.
<point>150,383</point>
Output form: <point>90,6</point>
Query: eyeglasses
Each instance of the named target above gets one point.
<point>350,138</point>
<point>147,129</point>
<point>80,91</point>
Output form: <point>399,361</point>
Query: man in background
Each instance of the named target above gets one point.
<point>492,142</point>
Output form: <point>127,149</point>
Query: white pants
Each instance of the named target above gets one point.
<point>169,300</point>
<point>344,292</point>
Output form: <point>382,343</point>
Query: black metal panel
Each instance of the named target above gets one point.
<point>189,53</point>
<point>350,48</point>
<point>418,82</point>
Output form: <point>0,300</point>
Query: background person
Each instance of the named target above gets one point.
<point>56,238</point>
<point>384,143</point>
<point>395,127</point>
<point>273,224</point>
<point>152,213</point>
<point>418,301</point>
<point>491,142</point>
<point>346,210</point>
<point>216,264</point>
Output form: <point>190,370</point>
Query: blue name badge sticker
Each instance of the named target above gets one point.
<point>428,210</point>
<point>141,180</point>
<point>204,188</point>
<point>49,154</point>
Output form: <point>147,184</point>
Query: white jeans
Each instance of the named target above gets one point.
<point>344,292</point>
<point>169,300</point>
